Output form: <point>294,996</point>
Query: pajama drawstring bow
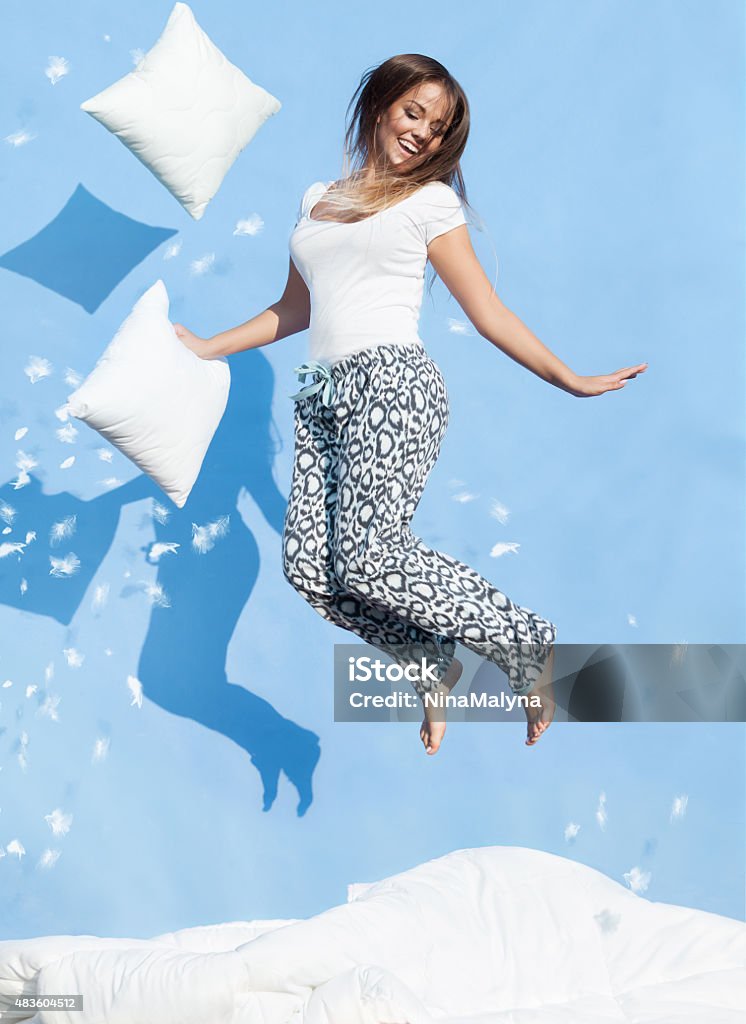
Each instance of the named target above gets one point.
<point>323,383</point>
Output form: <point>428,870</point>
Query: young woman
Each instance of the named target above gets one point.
<point>369,425</point>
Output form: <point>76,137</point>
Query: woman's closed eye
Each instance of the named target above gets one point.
<point>414,117</point>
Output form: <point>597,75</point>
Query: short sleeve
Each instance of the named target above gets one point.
<point>313,192</point>
<point>301,211</point>
<point>441,211</point>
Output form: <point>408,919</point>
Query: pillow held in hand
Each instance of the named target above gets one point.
<point>154,399</point>
<point>186,112</point>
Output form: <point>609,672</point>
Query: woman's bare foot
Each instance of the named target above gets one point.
<point>540,718</point>
<point>433,725</point>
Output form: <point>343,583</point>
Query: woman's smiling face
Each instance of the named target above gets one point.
<point>414,124</point>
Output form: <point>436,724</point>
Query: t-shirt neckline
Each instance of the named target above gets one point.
<point>363,220</point>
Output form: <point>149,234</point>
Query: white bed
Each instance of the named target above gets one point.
<point>497,935</point>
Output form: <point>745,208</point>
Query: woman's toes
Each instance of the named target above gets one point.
<point>533,734</point>
<point>432,736</point>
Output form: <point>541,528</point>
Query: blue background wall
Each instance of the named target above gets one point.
<point>606,161</point>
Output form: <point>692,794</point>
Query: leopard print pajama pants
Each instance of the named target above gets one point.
<point>365,442</point>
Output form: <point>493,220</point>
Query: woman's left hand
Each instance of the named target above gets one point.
<point>586,387</point>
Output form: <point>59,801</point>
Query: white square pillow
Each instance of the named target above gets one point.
<point>186,112</point>
<point>154,399</point>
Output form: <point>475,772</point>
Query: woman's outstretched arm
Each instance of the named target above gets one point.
<point>289,315</point>
<point>456,263</point>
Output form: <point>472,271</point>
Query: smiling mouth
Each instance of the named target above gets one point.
<point>408,151</point>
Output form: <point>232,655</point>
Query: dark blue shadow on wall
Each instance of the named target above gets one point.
<point>183,657</point>
<point>85,251</point>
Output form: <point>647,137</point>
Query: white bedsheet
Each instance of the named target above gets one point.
<point>498,935</point>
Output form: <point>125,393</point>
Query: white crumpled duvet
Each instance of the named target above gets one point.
<point>498,935</point>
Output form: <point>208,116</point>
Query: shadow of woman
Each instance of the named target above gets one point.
<point>182,660</point>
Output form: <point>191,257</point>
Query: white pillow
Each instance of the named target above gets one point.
<point>153,398</point>
<point>186,112</point>
<point>22,959</point>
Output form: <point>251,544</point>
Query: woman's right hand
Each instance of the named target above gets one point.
<point>191,340</point>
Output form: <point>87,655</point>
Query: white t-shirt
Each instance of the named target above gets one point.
<point>366,278</point>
